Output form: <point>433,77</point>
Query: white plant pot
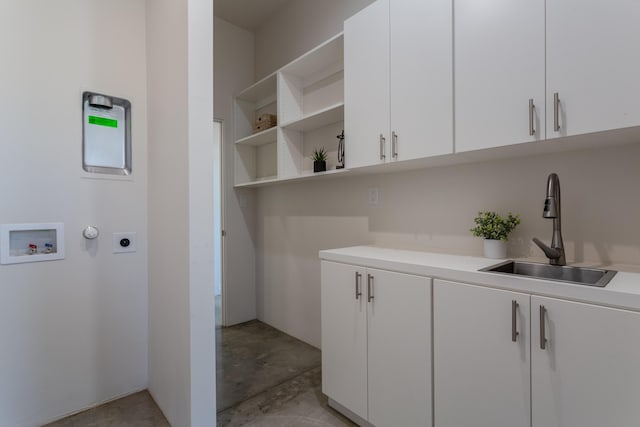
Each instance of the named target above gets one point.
<point>495,249</point>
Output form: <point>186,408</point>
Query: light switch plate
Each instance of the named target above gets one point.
<point>124,242</point>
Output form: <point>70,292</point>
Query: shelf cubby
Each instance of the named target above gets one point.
<point>259,98</point>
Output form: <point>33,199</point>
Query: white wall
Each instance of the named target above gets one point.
<point>297,27</point>
<point>234,71</point>
<point>429,209</point>
<point>181,282</point>
<point>74,332</point>
<point>202,152</point>
<point>433,209</point>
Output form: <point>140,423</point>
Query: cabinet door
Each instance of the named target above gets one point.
<point>366,85</point>
<point>589,373</point>
<point>593,64</point>
<point>481,376</point>
<point>344,336</point>
<point>499,66</point>
<point>421,90</point>
<point>399,349</point>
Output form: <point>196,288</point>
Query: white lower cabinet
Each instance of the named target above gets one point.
<point>579,366</point>
<point>588,374</point>
<point>376,344</point>
<point>481,356</point>
<point>344,336</point>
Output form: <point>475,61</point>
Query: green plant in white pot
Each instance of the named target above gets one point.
<point>495,231</point>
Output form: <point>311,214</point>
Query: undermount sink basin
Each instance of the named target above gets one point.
<point>576,275</point>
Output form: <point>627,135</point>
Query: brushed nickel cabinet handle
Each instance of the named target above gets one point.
<point>532,108</point>
<point>369,287</point>
<point>556,112</point>
<point>358,291</point>
<point>514,325</point>
<point>394,144</point>
<point>382,144</point>
<point>543,338</point>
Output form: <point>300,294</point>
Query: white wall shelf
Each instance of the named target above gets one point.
<point>263,182</point>
<point>318,58</point>
<point>308,97</point>
<point>260,91</point>
<point>325,117</point>
<point>260,138</point>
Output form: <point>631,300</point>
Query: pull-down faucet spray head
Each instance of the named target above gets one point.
<point>552,202</point>
<point>550,208</point>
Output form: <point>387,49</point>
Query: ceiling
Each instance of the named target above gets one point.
<point>247,14</point>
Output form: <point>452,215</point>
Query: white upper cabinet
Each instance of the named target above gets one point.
<point>398,82</point>
<point>421,89</point>
<point>575,61</point>
<point>593,65</point>
<point>499,73</point>
<point>366,85</point>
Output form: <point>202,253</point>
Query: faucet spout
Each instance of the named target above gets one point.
<point>552,210</point>
<point>551,253</point>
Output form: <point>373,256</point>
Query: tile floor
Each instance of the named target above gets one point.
<point>265,378</point>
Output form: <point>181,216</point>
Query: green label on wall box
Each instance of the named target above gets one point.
<point>101,121</point>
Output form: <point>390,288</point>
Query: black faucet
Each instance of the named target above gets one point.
<point>555,253</point>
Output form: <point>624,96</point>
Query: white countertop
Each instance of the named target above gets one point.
<point>623,291</point>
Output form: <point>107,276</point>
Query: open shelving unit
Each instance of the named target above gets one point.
<point>308,97</point>
<point>256,153</point>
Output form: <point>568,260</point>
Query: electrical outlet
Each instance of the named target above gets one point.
<point>124,242</point>
<point>373,196</point>
<point>242,200</point>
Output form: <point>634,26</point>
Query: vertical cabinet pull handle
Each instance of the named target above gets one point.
<point>358,291</point>
<point>382,143</point>
<point>532,108</point>
<point>514,322</point>
<point>556,112</point>
<point>394,144</point>
<point>543,338</point>
<point>369,287</point>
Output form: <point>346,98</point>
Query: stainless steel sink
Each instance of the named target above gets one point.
<point>576,275</point>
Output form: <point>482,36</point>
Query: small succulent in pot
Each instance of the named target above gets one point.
<point>492,226</point>
<point>319,158</point>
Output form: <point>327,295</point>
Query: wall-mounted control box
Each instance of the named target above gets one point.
<point>124,242</point>
<point>106,129</point>
<point>31,242</point>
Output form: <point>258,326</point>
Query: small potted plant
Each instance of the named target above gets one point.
<point>495,230</point>
<point>319,158</point>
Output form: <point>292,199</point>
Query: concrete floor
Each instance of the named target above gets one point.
<point>264,378</point>
<point>253,357</point>
<point>135,410</point>
<point>297,402</point>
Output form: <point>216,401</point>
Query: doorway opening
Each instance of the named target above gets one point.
<point>218,233</point>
